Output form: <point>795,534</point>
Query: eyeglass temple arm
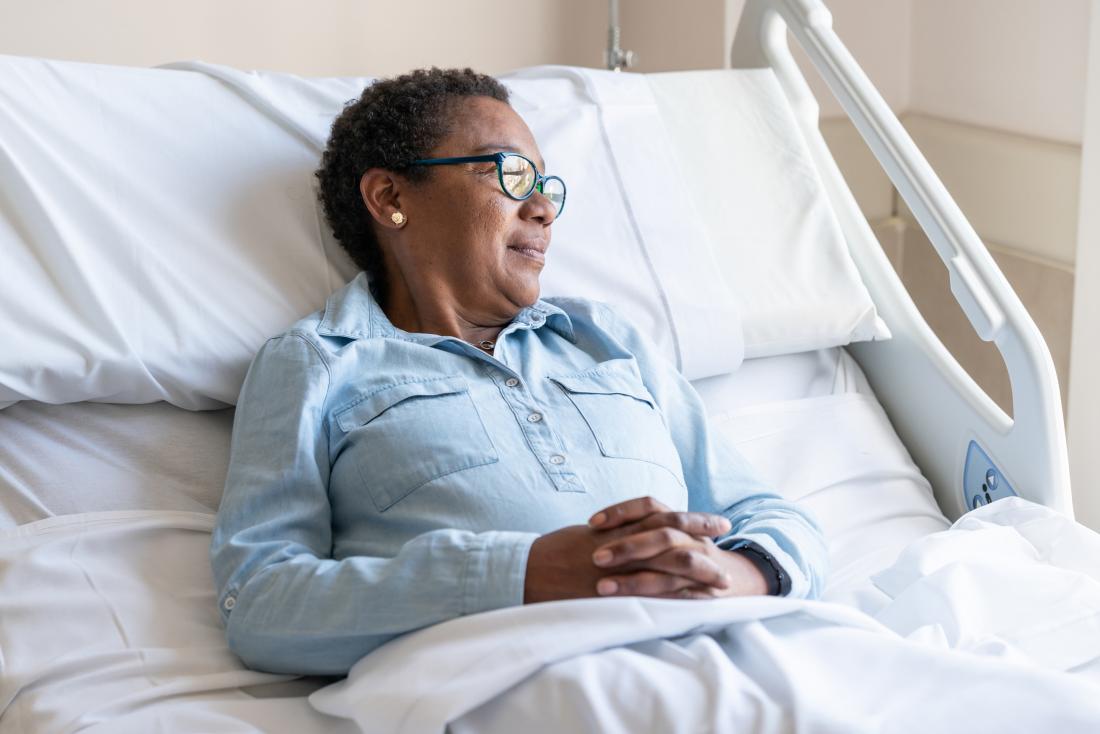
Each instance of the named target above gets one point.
<point>461,159</point>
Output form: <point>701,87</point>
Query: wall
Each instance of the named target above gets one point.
<point>335,37</point>
<point>1084,414</point>
<point>1012,65</point>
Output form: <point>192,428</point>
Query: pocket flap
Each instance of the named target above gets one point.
<point>614,377</point>
<point>367,408</point>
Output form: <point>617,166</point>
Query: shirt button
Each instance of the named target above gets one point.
<point>534,417</point>
<point>557,459</point>
<point>229,603</point>
<point>511,382</point>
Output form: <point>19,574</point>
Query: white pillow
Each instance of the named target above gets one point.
<point>622,233</point>
<point>764,206</point>
<point>157,225</point>
<point>155,228</point>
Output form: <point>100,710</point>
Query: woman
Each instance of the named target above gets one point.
<point>432,442</point>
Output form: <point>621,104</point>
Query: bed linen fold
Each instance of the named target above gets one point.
<point>764,664</point>
<point>108,623</point>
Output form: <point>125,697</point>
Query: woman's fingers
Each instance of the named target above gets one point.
<point>692,563</point>
<point>639,546</point>
<point>700,524</point>
<point>691,592</point>
<point>642,583</point>
<point>648,513</point>
<point>667,550</point>
<point>624,512</point>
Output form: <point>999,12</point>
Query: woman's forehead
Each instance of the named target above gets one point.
<point>486,125</point>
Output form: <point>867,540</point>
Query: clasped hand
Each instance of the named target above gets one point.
<point>639,548</point>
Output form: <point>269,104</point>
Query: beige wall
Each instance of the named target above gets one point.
<point>1084,388</point>
<point>333,37</point>
<point>877,32</point>
<point>1012,65</point>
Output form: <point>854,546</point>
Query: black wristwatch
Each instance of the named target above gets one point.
<point>779,583</point>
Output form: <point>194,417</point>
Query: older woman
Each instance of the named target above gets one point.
<point>438,441</point>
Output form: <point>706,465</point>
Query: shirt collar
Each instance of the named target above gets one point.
<point>352,312</point>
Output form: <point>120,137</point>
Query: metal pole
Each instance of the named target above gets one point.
<point>615,57</point>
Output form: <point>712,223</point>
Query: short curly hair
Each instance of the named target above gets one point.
<point>394,122</point>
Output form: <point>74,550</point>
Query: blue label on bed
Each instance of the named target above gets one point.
<point>982,480</point>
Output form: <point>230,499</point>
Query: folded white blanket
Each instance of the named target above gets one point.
<point>108,623</point>
<point>776,665</point>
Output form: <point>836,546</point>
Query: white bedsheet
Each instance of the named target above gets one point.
<point>963,646</point>
<point>108,621</point>
<point>838,456</point>
<point>91,457</point>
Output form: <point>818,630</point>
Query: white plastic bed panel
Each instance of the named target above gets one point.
<point>941,414</point>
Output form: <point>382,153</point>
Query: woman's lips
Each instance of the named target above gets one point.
<point>529,252</point>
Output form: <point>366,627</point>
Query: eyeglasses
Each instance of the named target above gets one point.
<point>517,174</point>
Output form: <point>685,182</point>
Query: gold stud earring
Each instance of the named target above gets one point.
<point>398,218</point>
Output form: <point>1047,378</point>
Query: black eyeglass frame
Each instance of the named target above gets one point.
<point>498,158</point>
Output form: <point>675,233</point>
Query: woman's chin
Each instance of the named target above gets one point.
<point>524,291</point>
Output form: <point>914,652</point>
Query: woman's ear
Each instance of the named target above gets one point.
<point>380,190</point>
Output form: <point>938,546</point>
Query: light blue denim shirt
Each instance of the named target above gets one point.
<point>381,481</point>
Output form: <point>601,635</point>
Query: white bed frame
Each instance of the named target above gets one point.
<point>935,406</point>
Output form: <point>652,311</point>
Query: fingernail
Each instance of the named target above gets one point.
<point>727,580</point>
<point>601,556</point>
<point>598,518</point>
<point>607,586</point>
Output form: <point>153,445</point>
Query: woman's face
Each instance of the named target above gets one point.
<point>464,234</point>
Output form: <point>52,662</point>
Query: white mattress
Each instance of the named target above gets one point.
<point>87,457</point>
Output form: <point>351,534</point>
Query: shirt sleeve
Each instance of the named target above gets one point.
<point>288,606</point>
<point>719,480</point>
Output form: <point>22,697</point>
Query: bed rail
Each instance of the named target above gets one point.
<point>938,410</point>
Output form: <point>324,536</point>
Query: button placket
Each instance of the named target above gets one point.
<point>539,433</point>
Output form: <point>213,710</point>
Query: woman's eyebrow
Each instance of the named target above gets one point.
<point>492,147</point>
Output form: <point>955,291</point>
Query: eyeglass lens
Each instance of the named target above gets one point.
<point>518,175</point>
<point>554,190</point>
<point>519,178</point>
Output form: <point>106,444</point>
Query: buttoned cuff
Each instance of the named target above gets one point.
<point>495,570</point>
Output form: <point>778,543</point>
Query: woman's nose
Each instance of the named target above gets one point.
<point>539,207</point>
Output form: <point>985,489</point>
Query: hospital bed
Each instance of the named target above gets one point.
<point>158,224</point>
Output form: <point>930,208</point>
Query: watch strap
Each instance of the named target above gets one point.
<point>779,582</point>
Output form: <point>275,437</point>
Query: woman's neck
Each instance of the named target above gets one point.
<point>431,310</point>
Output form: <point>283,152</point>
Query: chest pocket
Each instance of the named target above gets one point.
<point>622,414</point>
<point>407,435</point>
